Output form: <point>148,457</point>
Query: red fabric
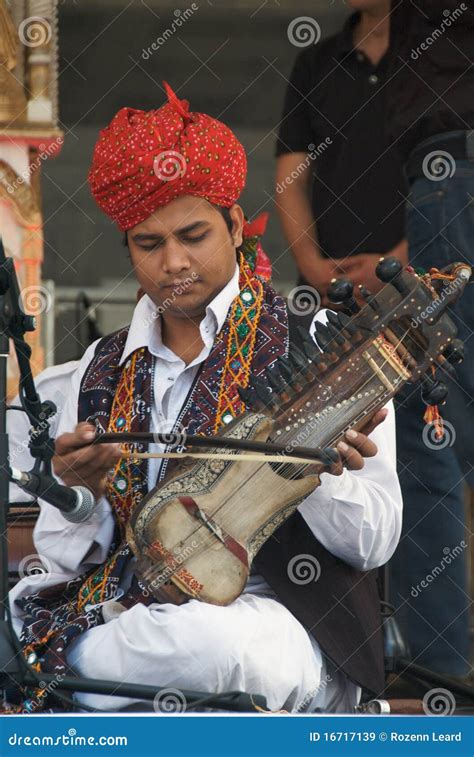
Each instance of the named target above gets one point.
<point>254,230</point>
<point>144,159</point>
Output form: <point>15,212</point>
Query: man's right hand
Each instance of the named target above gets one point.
<point>319,274</point>
<point>79,463</point>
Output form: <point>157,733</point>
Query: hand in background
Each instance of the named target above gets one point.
<point>319,274</point>
<point>360,269</point>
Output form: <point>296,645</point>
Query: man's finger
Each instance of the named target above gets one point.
<point>375,421</point>
<point>351,457</point>
<point>83,434</point>
<point>361,443</point>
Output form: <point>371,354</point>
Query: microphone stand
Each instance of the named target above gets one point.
<point>14,668</point>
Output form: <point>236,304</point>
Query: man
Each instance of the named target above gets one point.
<point>430,119</point>
<point>344,209</point>
<point>206,319</point>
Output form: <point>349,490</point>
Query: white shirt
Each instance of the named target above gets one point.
<point>357,516</point>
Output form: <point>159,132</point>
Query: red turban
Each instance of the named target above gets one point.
<point>144,159</point>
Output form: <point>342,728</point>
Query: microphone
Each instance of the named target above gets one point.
<point>75,502</point>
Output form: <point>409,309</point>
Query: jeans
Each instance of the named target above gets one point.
<point>429,571</point>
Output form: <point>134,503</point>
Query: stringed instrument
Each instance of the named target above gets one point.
<point>196,533</point>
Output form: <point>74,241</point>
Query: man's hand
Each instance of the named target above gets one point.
<point>360,269</point>
<point>356,446</point>
<point>319,273</point>
<point>78,463</point>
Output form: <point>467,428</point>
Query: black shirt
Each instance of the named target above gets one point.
<point>432,51</point>
<point>335,103</point>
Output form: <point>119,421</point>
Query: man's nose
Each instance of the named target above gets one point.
<point>175,257</point>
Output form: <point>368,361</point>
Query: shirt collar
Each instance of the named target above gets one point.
<point>145,326</point>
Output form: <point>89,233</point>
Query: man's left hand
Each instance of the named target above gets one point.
<point>356,446</point>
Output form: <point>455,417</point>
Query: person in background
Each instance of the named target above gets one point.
<point>430,120</point>
<point>344,209</point>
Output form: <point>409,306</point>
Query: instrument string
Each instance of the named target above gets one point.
<point>294,471</point>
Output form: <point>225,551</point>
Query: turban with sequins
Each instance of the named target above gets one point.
<point>144,159</point>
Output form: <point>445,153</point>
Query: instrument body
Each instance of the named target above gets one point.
<point>196,533</point>
<point>217,541</point>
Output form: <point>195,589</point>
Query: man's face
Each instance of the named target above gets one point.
<point>183,254</point>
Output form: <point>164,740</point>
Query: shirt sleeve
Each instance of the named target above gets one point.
<point>295,133</point>
<point>69,548</point>
<point>358,516</point>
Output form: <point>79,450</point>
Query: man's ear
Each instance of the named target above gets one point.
<point>237,215</point>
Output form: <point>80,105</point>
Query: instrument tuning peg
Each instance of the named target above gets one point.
<point>433,392</point>
<point>332,318</point>
<point>298,359</point>
<point>301,363</point>
<point>263,392</point>
<point>347,323</point>
<point>388,270</point>
<point>454,352</point>
<point>304,334</point>
<point>323,336</point>
<point>288,373</point>
<point>249,399</point>
<point>368,297</point>
<point>335,335</point>
<point>310,348</point>
<point>276,380</point>
<point>341,292</point>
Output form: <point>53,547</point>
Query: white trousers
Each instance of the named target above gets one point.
<point>254,644</point>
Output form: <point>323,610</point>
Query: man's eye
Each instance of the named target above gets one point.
<point>195,240</point>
